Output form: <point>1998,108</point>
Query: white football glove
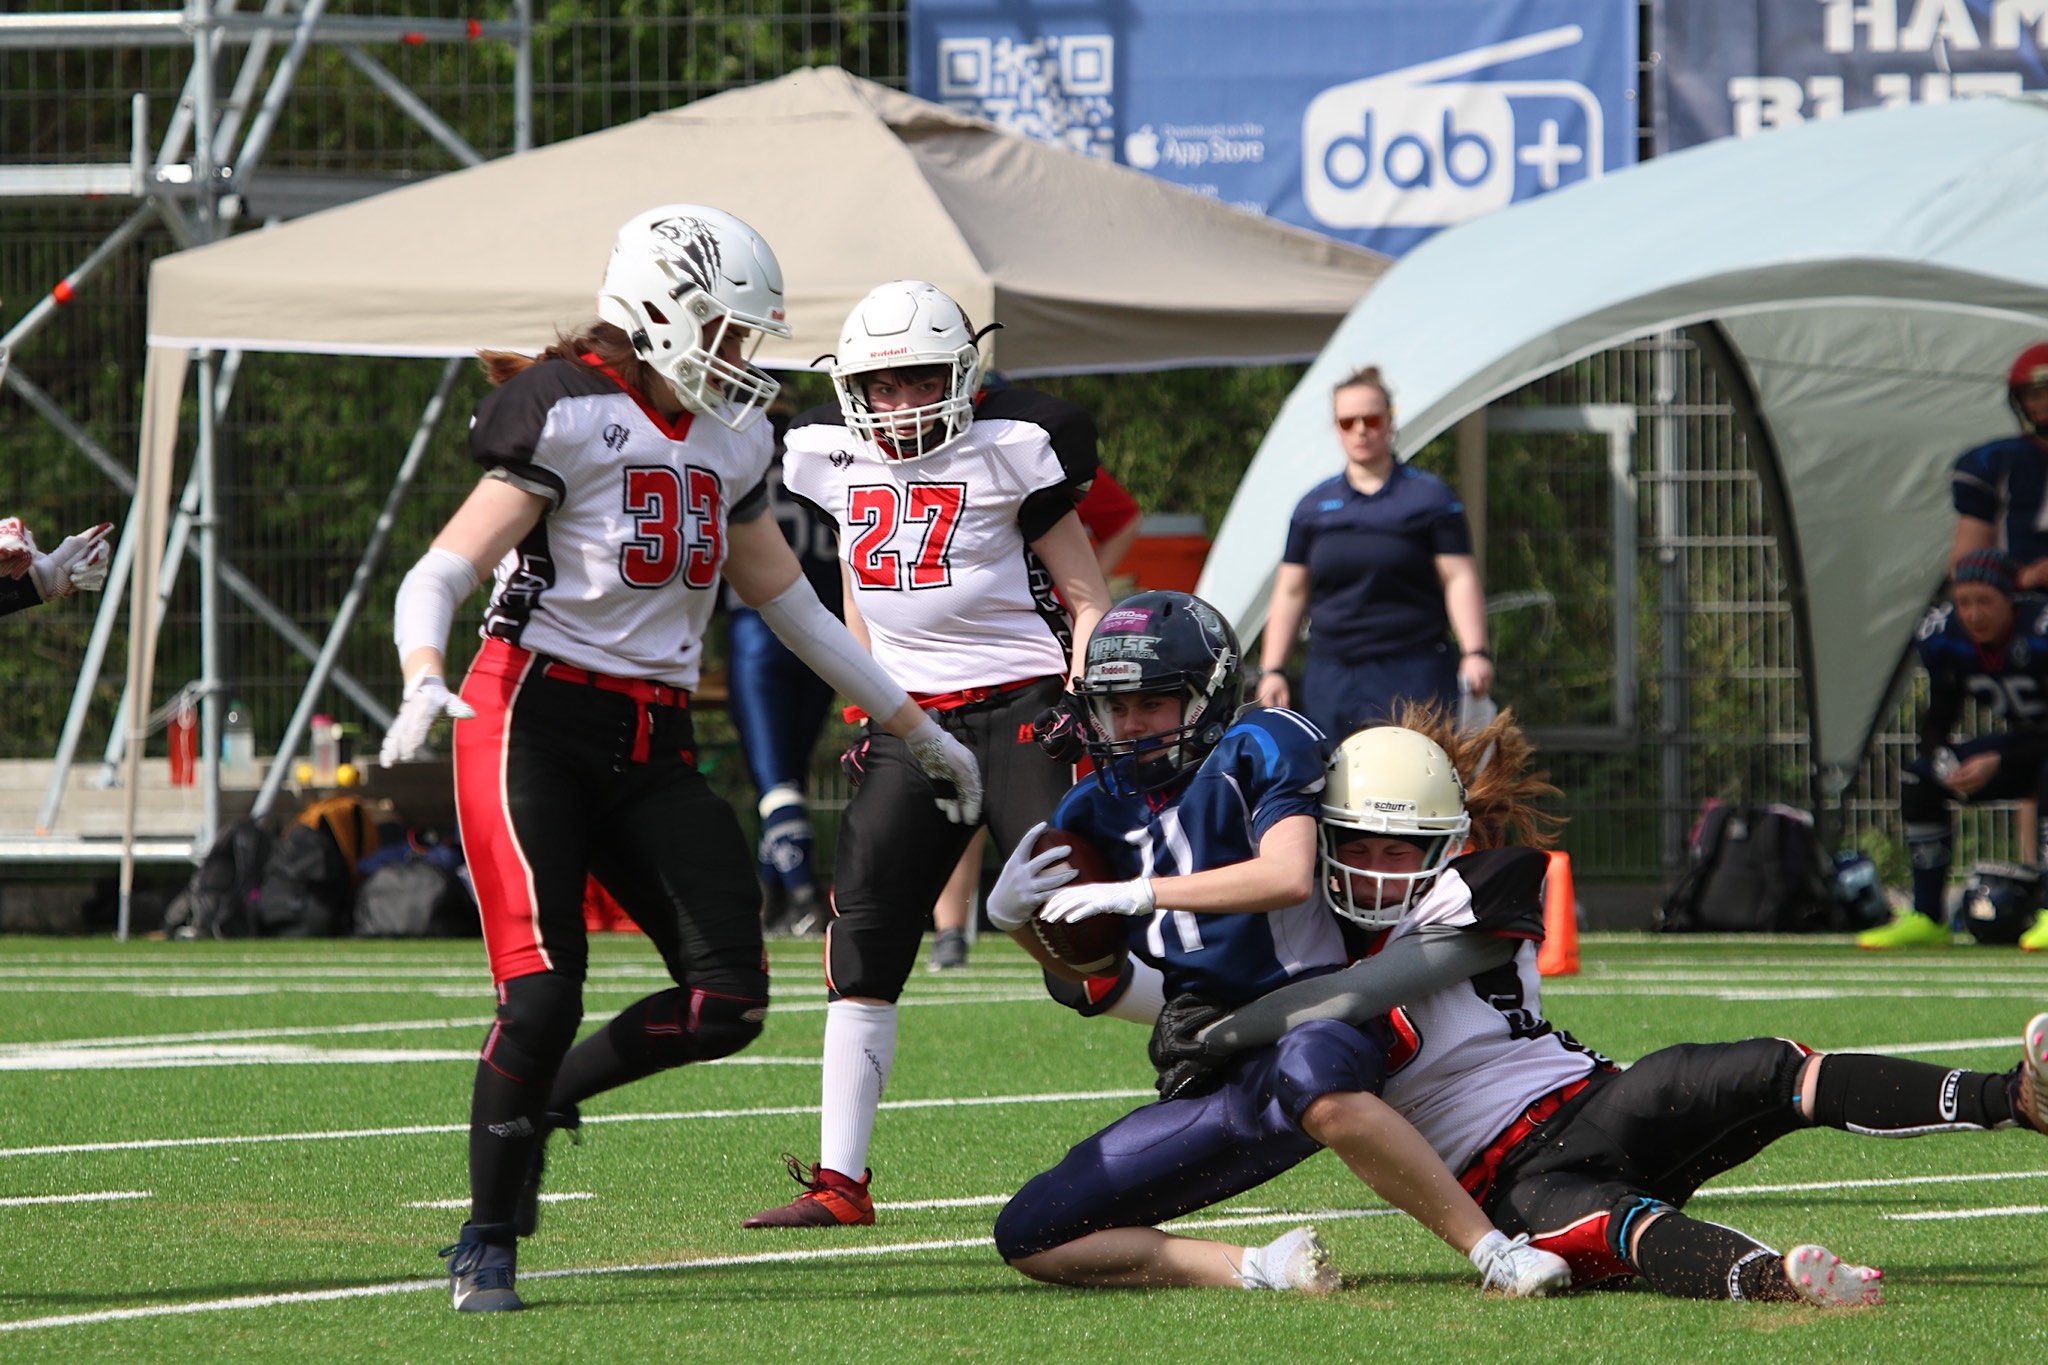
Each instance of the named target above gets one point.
<point>1072,903</point>
<point>80,562</point>
<point>1027,880</point>
<point>427,699</point>
<point>949,764</point>
<point>17,547</point>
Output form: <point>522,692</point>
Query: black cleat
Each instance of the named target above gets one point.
<point>480,1269</point>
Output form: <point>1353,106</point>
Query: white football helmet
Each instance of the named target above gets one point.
<point>907,324</point>
<point>682,279</point>
<point>1389,781</point>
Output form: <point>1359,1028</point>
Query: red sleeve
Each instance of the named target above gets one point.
<point>1106,508</point>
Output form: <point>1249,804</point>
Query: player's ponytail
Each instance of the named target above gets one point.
<point>1494,762</point>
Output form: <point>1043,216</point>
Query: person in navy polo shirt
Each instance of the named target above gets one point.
<point>1379,558</point>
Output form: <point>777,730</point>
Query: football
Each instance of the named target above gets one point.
<point>1094,945</point>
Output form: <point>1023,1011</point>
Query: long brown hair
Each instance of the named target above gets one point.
<point>602,339</point>
<point>1494,762</point>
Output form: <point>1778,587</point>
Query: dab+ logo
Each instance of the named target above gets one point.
<point>1413,148</point>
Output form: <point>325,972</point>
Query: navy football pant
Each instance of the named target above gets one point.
<point>1341,697</point>
<point>1923,802</point>
<point>777,704</point>
<point>1176,1156</point>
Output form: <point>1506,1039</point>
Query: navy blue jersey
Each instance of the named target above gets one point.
<point>2012,681</point>
<point>2006,483</point>
<point>1373,587</point>
<point>1268,766</point>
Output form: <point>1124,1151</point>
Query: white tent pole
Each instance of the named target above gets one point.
<point>209,609</point>
<point>358,588</point>
<point>162,385</point>
<point>1674,717</point>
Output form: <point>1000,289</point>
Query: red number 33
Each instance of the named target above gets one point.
<point>676,527</point>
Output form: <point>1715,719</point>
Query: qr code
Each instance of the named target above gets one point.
<point>1059,89</point>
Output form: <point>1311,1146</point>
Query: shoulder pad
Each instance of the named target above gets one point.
<point>1506,884</point>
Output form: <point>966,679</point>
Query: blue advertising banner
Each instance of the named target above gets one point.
<point>1729,69</point>
<point>1375,121</point>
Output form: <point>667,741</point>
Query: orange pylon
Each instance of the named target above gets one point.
<point>1559,955</point>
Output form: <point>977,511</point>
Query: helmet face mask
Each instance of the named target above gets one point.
<point>1159,644</point>
<point>1391,783</point>
<point>908,326</point>
<point>695,289</point>
<point>2026,387</point>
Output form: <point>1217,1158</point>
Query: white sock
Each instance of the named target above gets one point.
<point>1144,998</point>
<point>860,1048</point>
<point>1486,1248</point>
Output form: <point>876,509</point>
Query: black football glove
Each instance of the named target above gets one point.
<point>854,762</point>
<point>1062,729</point>
<point>1185,1065</point>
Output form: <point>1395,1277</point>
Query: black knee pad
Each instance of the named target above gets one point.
<point>537,1019</point>
<point>688,1024</point>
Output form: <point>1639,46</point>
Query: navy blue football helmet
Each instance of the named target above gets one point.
<point>2000,901</point>
<point>1159,642</point>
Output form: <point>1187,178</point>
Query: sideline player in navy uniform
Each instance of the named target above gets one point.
<point>969,575</point>
<point>2000,488</point>
<point>1591,1162</point>
<point>1984,643</point>
<point>778,707</point>
<point>622,479</point>
<point>1211,821</point>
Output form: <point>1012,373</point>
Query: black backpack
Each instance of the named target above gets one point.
<point>309,886</point>
<point>1755,869</point>
<point>219,900</point>
<point>415,897</point>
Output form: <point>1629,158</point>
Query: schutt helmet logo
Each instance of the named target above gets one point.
<point>615,437</point>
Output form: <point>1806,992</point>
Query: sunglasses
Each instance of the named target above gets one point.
<point>1371,421</point>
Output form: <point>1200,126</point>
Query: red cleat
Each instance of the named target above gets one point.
<point>829,1200</point>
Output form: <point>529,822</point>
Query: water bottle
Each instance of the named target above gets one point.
<point>238,746</point>
<point>326,751</point>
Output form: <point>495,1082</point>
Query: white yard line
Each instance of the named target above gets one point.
<point>2009,1211</point>
<point>100,1197</point>
<point>248,1301</point>
<point>426,1129</point>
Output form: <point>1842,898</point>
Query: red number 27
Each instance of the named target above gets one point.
<point>877,512</point>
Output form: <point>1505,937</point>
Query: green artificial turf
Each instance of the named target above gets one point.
<point>276,1113</point>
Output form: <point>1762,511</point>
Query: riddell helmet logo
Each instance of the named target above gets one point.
<point>1412,148</point>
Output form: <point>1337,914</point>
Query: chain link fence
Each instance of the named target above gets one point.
<point>1641,613</point>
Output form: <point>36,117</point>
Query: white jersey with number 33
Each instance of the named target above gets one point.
<point>622,572</point>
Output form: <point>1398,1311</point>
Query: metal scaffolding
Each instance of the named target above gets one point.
<point>202,179</point>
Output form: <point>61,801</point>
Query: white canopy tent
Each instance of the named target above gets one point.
<point>1089,266</point>
<point>1869,279</point>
